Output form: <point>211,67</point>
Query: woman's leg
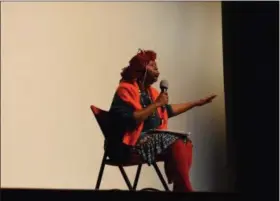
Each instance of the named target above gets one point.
<point>178,164</point>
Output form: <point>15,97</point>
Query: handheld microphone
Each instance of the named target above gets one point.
<point>163,86</point>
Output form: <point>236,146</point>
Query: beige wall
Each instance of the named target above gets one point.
<point>59,58</point>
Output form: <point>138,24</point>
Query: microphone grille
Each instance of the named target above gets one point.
<point>163,84</point>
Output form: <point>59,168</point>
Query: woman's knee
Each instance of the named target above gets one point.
<point>182,144</point>
<point>181,149</point>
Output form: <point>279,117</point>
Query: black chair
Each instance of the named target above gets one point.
<point>104,121</point>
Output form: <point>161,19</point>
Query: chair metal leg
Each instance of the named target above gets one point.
<point>161,177</point>
<point>102,167</point>
<point>125,178</point>
<point>137,176</point>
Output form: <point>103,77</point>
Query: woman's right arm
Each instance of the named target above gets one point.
<point>143,114</point>
<point>128,114</point>
<point>124,110</point>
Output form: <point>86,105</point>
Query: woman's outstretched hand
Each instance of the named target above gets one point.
<point>206,100</point>
<point>183,107</point>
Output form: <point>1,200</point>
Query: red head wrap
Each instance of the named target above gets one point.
<point>138,63</point>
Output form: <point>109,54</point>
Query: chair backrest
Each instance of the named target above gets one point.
<point>113,141</point>
<point>103,119</point>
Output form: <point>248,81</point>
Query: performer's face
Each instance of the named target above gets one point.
<point>152,72</point>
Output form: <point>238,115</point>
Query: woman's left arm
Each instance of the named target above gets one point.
<point>183,107</point>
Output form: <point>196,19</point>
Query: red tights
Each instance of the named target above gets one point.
<point>177,166</point>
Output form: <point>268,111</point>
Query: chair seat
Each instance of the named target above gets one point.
<point>135,159</point>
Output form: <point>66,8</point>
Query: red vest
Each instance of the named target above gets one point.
<point>129,92</point>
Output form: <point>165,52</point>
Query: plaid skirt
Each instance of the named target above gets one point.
<point>152,144</point>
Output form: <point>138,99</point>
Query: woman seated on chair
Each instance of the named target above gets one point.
<point>137,107</point>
